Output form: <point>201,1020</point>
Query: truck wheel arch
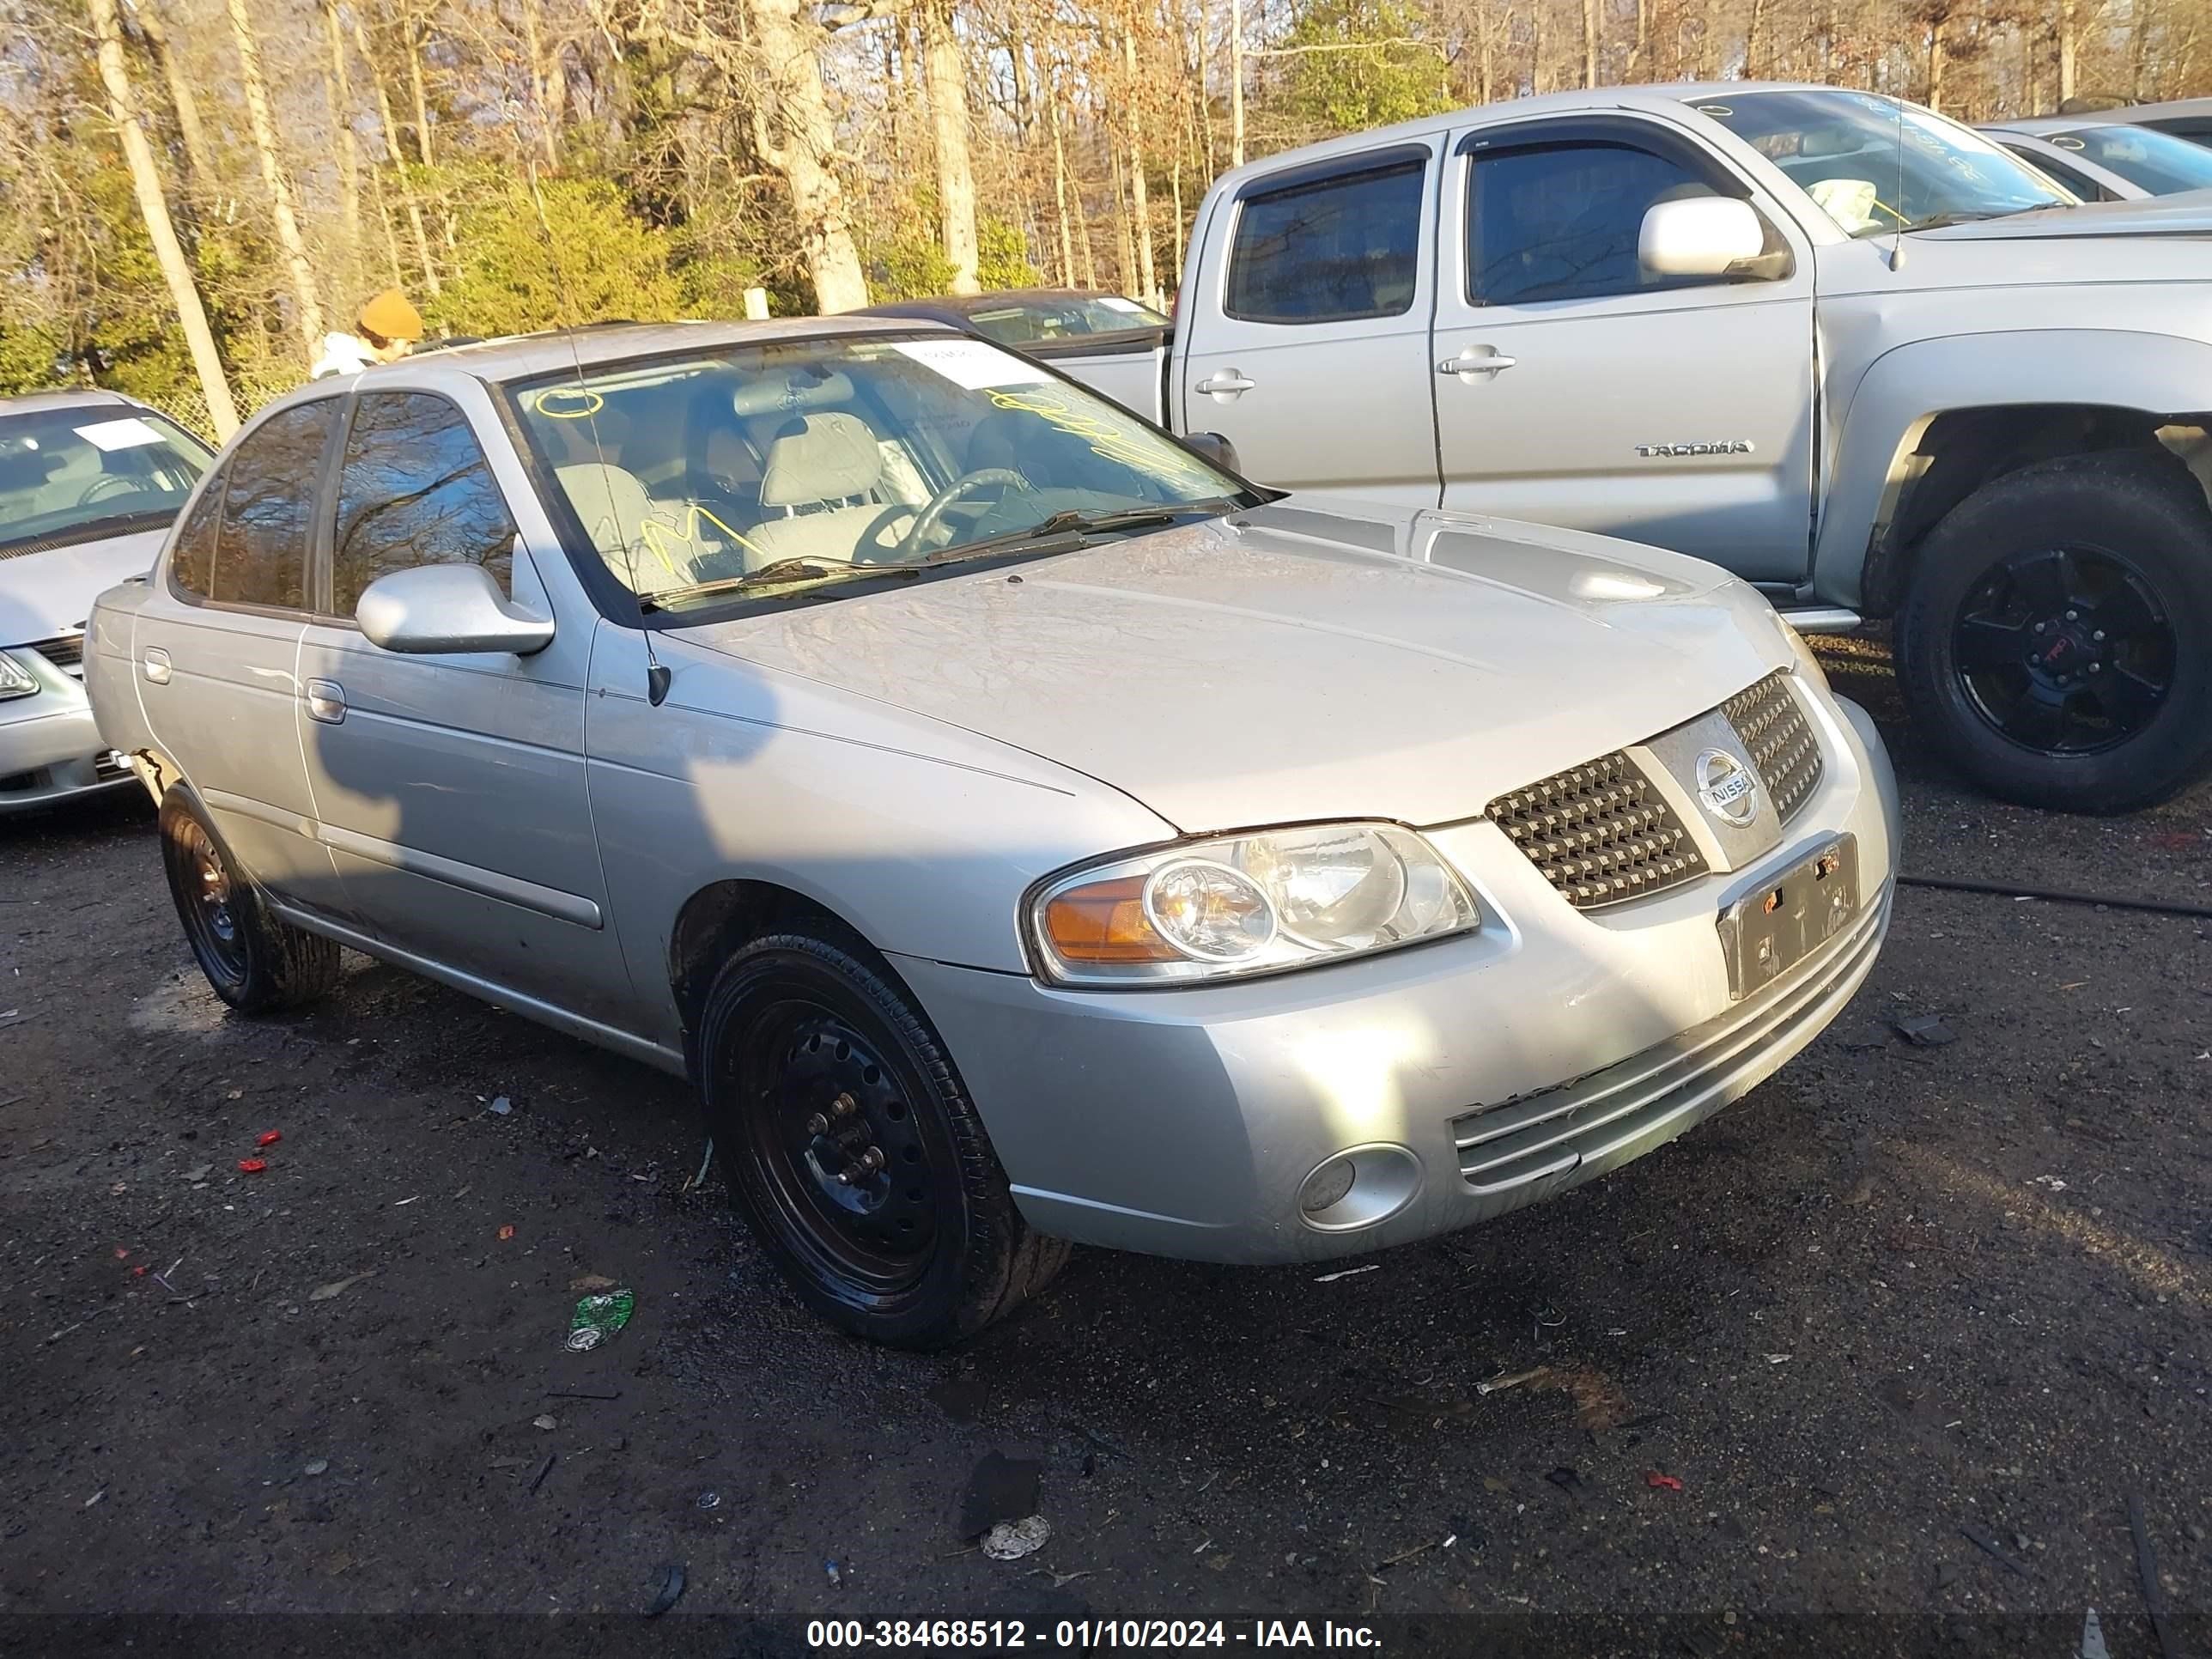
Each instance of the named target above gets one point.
<point>1931,422</point>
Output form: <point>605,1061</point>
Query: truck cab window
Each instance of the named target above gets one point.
<point>1335,249</point>
<point>1561,222</point>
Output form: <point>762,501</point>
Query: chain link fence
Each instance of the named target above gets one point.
<point>188,404</point>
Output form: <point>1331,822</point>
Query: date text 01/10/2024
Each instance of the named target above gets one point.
<point>935,1634</point>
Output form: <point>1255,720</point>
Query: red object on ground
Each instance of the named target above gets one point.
<point>271,1139</point>
<point>139,1271</point>
<point>252,1165</point>
<point>1654,1479</point>
<point>507,1231</point>
<point>120,1253</point>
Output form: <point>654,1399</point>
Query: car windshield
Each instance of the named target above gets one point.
<point>1027,321</point>
<point>823,467</point>
<point>72,474</point>
<point>2161,163</point>
<point>1875,165</point>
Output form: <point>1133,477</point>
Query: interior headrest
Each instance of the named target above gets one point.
<point>793,391</point>
<point>27,469</point>
<point>820,458</point>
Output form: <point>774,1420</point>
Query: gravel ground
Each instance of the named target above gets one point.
<point>1906,1326</point>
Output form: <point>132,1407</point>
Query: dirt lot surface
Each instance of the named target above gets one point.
<point>1906,1327</point>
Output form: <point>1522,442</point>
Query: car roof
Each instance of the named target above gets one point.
<point>964,305</point>
<point>32,403</point>
<point>2178,106</point>
<point>521,356</point>
<point>2042,126</point>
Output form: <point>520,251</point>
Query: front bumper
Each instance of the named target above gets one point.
<point>50,748</point>
<point>1470,1077</point>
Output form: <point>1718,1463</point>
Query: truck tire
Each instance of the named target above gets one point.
<point>852,1150</point>
<point>2056,638</point>
<point>255,963</point>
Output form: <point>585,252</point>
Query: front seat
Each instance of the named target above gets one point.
<point>822,473</point>
<point>615,509</point>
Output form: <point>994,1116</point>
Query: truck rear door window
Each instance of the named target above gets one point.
<point>1331,250</point>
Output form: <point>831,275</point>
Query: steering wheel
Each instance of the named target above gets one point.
<point>110,485</point>
<point>926,521</point>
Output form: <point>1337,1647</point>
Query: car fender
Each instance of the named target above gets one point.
<point>1886,415</point>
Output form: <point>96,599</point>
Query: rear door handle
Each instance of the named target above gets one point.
<point>154,666</point>
<point>1225,385</point>
<point>326,702</point>
<point>1471,361</point>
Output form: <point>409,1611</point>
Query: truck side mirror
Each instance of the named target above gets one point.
<point>1707,236</point>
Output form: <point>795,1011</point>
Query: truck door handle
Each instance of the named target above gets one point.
<point>1471,361</point>
<point>1224,386</point>
<point>154,666</point>
<point>326,702</point>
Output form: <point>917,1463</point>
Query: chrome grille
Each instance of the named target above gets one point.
<point>1600,833</point>
<point>1785,752</point>
<point>66,653</point>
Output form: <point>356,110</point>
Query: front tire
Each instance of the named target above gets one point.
<point>852,1150</point>
<point>255,963</point>
<point>2057,641</point>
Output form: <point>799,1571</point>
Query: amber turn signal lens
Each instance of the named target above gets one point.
<point>1104,922</point>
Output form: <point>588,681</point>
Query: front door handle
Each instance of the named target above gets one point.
<point>326,702</point>
<point>1224,386</point>
<point>154,666</point>
<point>1471,361</point>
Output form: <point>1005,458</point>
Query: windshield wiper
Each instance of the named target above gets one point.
<point>1072,525</point>
<point>1938,220</point>
<point>781,573</point>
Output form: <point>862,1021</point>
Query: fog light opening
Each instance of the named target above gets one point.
<point>1359,1187</point>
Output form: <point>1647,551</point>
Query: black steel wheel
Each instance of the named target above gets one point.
<point>254,961</point>
<point>852,1149</point>
<point>2056,638</point>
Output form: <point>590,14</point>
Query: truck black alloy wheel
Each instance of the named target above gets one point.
<point>2056,641</point>
<point>852,1150</point>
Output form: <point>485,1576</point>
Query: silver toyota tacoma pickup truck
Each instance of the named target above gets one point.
<point>1019,828</point>
<point>1857,354</point>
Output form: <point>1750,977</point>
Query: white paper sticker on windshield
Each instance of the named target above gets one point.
<point>971,363</point>
<point>130,433</point>
<point>1116,302</point>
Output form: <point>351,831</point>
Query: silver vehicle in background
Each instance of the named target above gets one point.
<point>1020,829</point>
<point>90,482</point>
<point>2104,159</point>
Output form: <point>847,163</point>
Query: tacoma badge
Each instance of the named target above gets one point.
<point>1723,447</point>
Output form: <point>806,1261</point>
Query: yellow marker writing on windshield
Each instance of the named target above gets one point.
<point>587,403</point>
<point>662,539</point>
<point>1107,438</point>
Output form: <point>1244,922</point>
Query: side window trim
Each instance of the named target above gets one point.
<point>220,475</point>
<point>1334,170</point>
<point>325,596</point>
<point>1651,137</point>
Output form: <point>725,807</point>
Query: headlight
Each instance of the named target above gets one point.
<point>14,682</point>
<point>1808,663</point>
<point>1257,903</point>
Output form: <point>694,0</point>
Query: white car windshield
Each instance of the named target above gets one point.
<point>1875,165</point>
<point>1029,321</point>
<point>2160,162</point>
<point>751,471</point>
<point>74,475</point>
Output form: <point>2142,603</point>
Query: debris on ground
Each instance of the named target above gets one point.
<point>544,1469</point>
<point>1989,1546</point>
<point>2154,1593</point>
<point>836,1573</point>
<point>1924,1030</point>
<point>1001,1488</point>
<point>269,1137</point>
<point>599,1317</point>
<point>1653,1479</point>
<point>321,1466</point>
<point>583,1394</point>
<point>1010,1540</point>
<point>545,1420</point>
<point>672,1590</point>
<point>251,1165</point>
<point>1564,1479</point>
<point>338,1287</point>
<point>2054,1182</point>
<point>1599,1402</point>
<point>2092,1639</point>
<point>707,1500</point>
<point>590,1282</point>
<point>199,1172</point>
<point>1348,1273</point>
<point>502,1107</point>
<point>506,1233</point>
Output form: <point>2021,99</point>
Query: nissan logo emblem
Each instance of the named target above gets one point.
<point>1727,787</point>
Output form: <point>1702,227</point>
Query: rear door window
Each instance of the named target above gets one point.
<point>1335,249</point>
<point>414,489</point>
<point>261,545</point>
<point>192,564</point>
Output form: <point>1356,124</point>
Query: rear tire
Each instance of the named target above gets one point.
<point>852,1150</point>
<point>256,963</point>
<point>2056,640</point>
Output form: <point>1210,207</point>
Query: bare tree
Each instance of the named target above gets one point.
<point>272,175</point>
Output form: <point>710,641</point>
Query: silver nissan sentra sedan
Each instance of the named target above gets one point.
<point>1020,829</point>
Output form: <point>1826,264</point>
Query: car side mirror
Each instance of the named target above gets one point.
<point>1213,446</point>
<point>435,609</point>
<point>1707,236</point>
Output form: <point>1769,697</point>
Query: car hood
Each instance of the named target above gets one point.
<point>1273,669</point>
<point>2187,214</point>
<point>43,594</point>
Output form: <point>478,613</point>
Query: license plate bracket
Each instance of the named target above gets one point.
<point>1776,925</point>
